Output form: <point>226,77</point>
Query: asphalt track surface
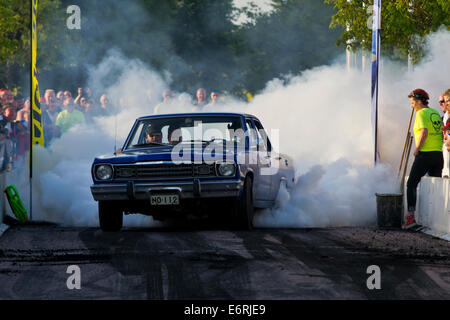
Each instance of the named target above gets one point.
<point>205,263</point>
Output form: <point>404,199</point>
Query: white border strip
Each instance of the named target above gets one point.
<point>436,234</point>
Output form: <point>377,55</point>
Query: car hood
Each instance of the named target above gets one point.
<point>158,154</point>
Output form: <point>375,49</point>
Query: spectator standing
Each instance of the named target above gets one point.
<point>21,138</point>
<point>50,110</point>
<point>167,100</point>
<point>9,112</point>
<point>5,118</point>
<point>428,151</point>
<point>69,117</point>
<point>9,116</point>
<point>104,108</point>
<point>24,113</point>
<point>445,105</point>
<point>6,155</point>
<point>88,94</point>
<point>215,95</point>
<point>77,101</point>
<point>83,105</point>
<point>60,98</point>
<point>67,94</point>
<point>51,105</point>
<point>83,93</point>
<point>201,100</point>
<point>2,96</point>
<point>6,97</point>
<point>89,111</point>
<point>446,131</point>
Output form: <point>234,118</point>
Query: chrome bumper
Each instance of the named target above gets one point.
<point>186,189</point>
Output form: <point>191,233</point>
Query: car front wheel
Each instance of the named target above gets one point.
<point>243,207</point>
<point>110,217</point>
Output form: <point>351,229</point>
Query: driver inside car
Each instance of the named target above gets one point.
<point>153,135</point>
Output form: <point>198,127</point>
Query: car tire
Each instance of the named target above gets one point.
<point>110,217</point>
<point>243,211</point>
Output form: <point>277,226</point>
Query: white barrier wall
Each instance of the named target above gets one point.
<point>433,204</point>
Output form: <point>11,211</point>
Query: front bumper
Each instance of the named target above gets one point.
<point>186,189</point>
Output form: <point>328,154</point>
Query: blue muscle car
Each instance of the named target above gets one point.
<point>191,164</point>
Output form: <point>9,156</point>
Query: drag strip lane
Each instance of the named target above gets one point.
<point>202,263</point>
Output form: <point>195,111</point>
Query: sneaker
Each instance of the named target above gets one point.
<point>410,222</point>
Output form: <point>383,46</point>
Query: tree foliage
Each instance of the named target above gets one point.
<point>404,24</point>
<point>15,36</point>
<point>195,41</point>
<point>292,38</point>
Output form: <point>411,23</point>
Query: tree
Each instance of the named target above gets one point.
<point>404,24</point>
<point>202,37</point>
<point>15,37</point>
<point>293,37</point>
<point>196,41</point>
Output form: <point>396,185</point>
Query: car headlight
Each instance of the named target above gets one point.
<point>226,169</point>
<point>104,172</point>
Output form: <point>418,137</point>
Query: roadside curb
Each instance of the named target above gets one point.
<point>3,228</point>
<point>437,234</point>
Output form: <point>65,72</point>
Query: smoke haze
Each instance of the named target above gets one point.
<point>324,122</point>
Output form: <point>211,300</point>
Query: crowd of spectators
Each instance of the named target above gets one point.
<point>200,103</point>
<point>59,112</point>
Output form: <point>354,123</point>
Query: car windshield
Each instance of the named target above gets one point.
<point>193,129</point>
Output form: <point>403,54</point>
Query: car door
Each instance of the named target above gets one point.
<point>264,162</point>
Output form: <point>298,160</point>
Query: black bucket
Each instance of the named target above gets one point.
<point>389,210</point>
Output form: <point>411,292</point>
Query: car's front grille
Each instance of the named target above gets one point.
<point>163,171</point>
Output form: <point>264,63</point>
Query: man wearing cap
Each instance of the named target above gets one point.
<point>428,152</point>
<point>153,135</point>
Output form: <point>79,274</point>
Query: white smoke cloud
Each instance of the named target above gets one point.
<point>324,118</point>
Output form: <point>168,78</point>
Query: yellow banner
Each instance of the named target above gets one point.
<point>36,114</point>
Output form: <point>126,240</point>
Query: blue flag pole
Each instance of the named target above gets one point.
<point>376,39</point>
<point>30,124</point>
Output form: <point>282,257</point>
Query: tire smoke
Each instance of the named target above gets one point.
<point>324,122</point>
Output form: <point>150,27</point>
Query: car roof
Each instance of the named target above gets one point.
<point>197,114</point>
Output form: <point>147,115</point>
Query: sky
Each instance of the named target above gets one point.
<point>264,5</point>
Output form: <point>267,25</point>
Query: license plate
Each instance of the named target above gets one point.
<point>164,200</point>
